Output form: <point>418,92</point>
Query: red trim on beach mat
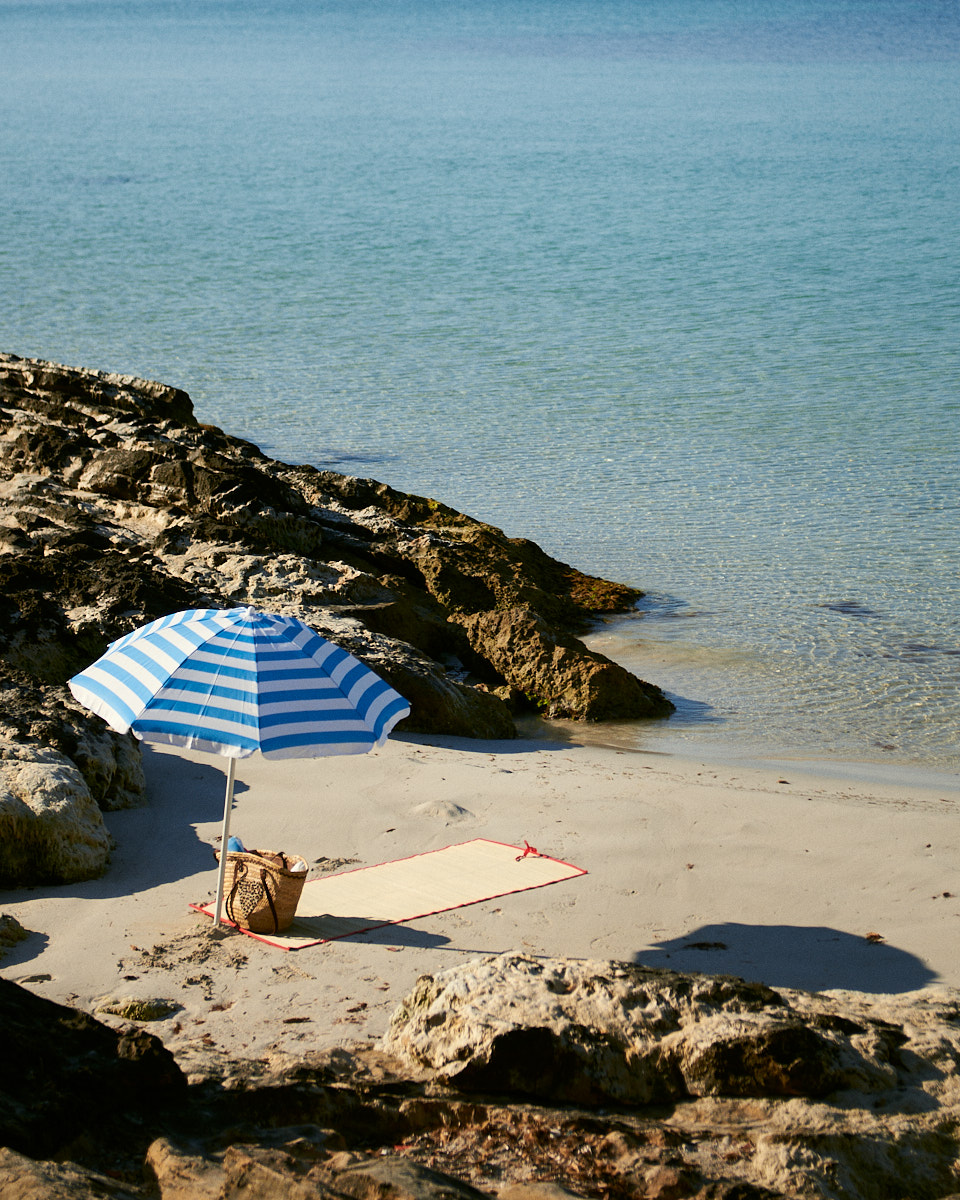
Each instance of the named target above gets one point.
<point>447,894</point>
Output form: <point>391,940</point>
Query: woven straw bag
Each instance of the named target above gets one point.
<point>260,891</point>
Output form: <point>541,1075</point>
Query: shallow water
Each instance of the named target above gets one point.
<point>671,289</point>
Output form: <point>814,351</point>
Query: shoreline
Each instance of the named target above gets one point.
<point>772,873</point>
<point>738,752</point>
<point>731,706</point>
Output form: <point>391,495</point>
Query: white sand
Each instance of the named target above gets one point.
<point>768,873</point>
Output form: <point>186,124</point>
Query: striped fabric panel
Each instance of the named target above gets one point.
<point>120,683</point>
<point>234,681</point>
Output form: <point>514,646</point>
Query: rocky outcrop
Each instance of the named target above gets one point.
<point>541,662</point>
<point>612,1033</point>
<point>527,1090</point>
<point>788,1093</point>
<point>46,717</point>
<point>117,506</point>
<point>22,1178</point>
<point>121,507</point>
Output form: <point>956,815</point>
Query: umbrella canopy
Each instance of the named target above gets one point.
<point>233,681</point>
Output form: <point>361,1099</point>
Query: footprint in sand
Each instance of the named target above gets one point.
<point>285,971</point>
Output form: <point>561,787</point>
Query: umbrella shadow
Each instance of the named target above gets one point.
<point>808,957</point>
<point>154,844</point>
<point>158,843</point>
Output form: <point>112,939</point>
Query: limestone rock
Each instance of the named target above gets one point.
<point>298,1169</point>
<point>135,1008</point>
<point>89,394</point>
<point>110,763</point>
<point>247,1176</point>
<point>181,1175</point>
<point>439,704</point>
<point>51,829</point>
<point>535,1191</point>
<point>791,1094</point>
<point>116,506</point>
<point>599,1032</point>
<point>394,1133</point>
<point>558,673</point>
<point>45,715</point>
<point>393,1178</point>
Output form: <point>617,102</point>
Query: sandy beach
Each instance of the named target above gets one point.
<point>777,874</point>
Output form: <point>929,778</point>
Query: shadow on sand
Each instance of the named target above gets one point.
<point>155,844</point>
<point>809,957</point>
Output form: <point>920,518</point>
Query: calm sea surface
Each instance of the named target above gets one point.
<point>670,286</point>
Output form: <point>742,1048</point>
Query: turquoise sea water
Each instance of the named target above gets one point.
<point>670,286</point>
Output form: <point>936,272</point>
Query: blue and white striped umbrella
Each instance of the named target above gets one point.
<point>232,681</point>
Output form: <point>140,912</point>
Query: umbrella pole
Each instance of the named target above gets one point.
<point>224,837</point>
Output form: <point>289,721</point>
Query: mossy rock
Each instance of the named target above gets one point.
<point>133,1009</point>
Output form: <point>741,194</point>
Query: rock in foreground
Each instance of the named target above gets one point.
<point>843,1095</point>
<point>610,1033</point>
<point>859,1101</point>
<point>63,1070</point>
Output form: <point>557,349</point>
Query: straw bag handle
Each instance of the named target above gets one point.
<point>239,876</point>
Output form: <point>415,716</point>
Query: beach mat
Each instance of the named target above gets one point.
<point>352,902</point>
